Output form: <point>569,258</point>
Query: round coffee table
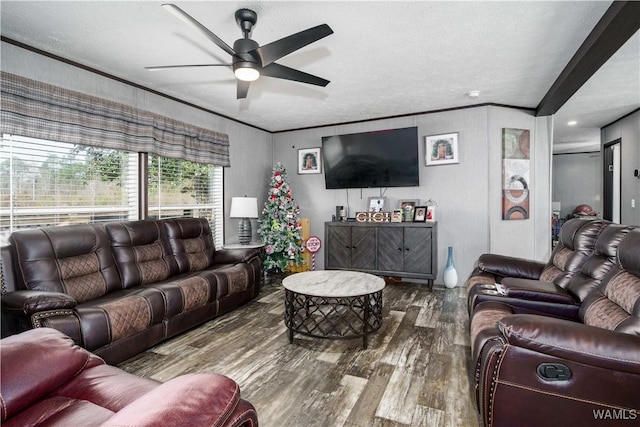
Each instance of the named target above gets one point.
<point>333,304</point>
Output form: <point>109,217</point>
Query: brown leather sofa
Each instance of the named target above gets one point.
<point>119,288</point>
<point>577,241</point>
<point>556,367</point>
<point>48,380</point>
<point>526,296</point>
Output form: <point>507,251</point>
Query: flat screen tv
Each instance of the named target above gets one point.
<point>386,158</point>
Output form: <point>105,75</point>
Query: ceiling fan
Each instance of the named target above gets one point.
<point>249,59</point>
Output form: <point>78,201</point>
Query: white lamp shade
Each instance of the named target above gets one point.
<point>244,207</point>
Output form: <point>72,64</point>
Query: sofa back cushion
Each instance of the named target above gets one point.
<point>576,243</point>
<point>140,249</point>
<point>615,304</point>
<point>35,363</point>
<point>601,261</point>
<point>190,242</point>
<point>74,259</point>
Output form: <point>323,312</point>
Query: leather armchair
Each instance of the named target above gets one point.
<point>47,379</point>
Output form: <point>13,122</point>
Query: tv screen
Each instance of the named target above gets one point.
<point>386,158</point>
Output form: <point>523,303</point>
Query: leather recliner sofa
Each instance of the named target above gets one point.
<point>579,366</point>
<point>48,380</point>
<point>526,296</point>
<point>576,243</point>
<point>120,288</point>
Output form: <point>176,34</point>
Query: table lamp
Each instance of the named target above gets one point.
<point>244,208</point>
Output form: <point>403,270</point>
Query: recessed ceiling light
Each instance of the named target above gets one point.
<point>473,94</point>
<point>572,123</point>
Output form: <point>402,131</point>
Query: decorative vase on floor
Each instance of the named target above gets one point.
<point>450,273</point>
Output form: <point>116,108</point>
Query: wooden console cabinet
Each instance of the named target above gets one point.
<point>401,249</point>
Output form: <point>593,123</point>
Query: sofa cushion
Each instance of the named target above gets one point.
<point>600,262</point>
<point>119,315</point>
<point>615,304</point>
<point>203,399</point>
<point>576,244</point>
<point>75,260</point>
<point>190,243</point>
<point>140,249</point>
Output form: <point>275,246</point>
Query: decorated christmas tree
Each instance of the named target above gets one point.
<point>280,226</point>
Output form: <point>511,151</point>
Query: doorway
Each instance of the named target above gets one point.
<point>611,181</point>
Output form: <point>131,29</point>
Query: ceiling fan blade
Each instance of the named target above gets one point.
<point>275,50</point>
<point>243,89</point>
<point>166,67</point>
<point>282,72</point>
<point>186,18</point>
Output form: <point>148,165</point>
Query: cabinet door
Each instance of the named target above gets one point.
<point>417,253</point>
<point>363,248</point>
<point>390,248</point>
<point>338,253</point>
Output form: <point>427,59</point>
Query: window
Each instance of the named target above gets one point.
<point>44,183</point>
<point>179,188</point>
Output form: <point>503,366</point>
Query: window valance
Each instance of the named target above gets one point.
<point>40,110</point>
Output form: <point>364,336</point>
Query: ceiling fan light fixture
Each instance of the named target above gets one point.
<point>246,71</point>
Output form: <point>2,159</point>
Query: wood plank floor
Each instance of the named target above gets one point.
<point>415,371</point>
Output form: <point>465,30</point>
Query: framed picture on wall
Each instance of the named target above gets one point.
<point>309,161</point>
<point>441,149</point>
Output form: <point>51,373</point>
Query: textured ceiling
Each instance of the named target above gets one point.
<point>384,58</point>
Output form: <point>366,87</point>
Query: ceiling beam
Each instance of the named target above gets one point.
<point>617,25</point>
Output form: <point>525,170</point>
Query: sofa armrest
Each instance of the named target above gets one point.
<point>536,290</point>
<point>194,399</point>
<point>573,341</point>
<point>506,266</point>
<point>31,302</point>
<point>234,256</point>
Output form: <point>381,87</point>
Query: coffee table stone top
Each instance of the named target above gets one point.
<point>333,283</point>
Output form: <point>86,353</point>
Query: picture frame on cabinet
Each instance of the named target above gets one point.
<point>376,204</point>
<point>309,161</point>
<point>441,149</point>
<point>431,214</point>
<point>420,214</point>
<point>396,215</point>
<point>408,208</point>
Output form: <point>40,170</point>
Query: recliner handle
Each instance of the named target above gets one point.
<point>553,372</point>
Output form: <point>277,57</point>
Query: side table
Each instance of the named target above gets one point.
<point>250,245</point>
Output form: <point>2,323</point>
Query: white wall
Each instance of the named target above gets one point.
<point>628,130</point>
<point>468,194</point>
<point>247,174</point>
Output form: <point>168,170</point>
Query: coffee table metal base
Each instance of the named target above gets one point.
<point>333,317</point>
